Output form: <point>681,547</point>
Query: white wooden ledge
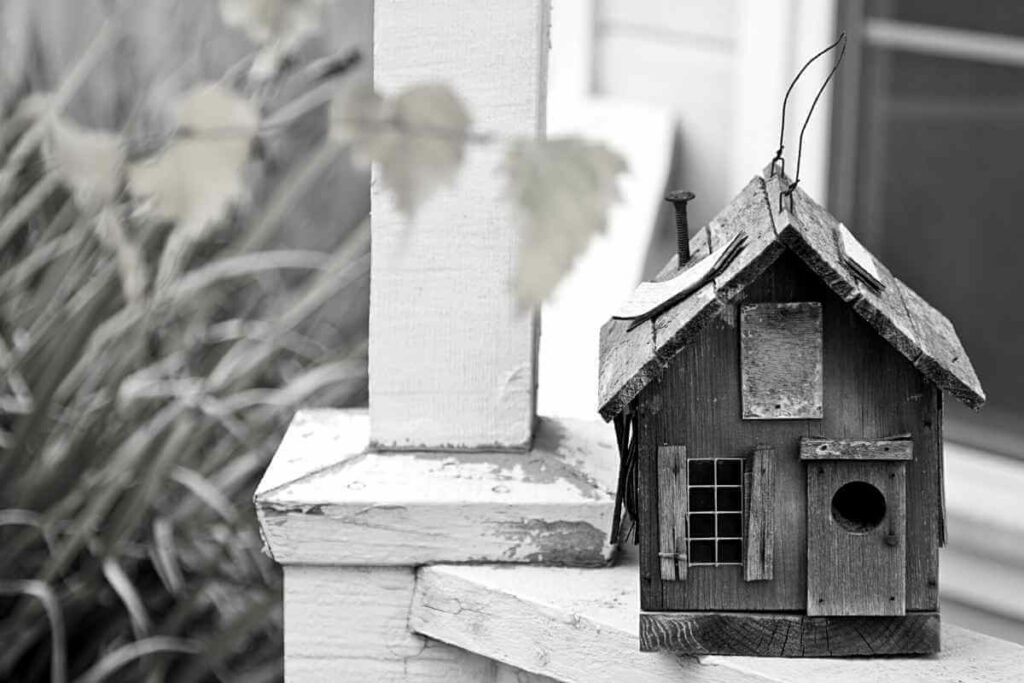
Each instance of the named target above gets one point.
<point>327,500</point>
<point>581,625</point>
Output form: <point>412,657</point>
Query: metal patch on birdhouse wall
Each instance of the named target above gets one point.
<point>781,365</point>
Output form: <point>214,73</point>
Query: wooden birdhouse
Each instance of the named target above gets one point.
<point>777,395</point>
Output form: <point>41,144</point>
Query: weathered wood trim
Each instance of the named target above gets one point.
<point>672,508</point>
<point>358,507</point>
<point>781,361</point>
<point>352,624</point>
<point>787,635</point>
<point>844,449</point>
<point>759,560</point>
<point>580,626</point>
<point>856,572</point>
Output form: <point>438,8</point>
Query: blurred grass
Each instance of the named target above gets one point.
<point>132,434</point>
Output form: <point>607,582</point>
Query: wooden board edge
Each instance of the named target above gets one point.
<point>779,634</point>
<point>843,449</point>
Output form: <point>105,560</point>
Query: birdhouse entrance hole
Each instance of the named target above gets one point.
<point>858,507</point>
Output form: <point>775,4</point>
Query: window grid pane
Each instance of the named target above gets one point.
<point>715,516</point>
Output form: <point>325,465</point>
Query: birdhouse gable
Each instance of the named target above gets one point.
<point>728,254</point>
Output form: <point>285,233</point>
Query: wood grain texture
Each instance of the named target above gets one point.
<point>576,626</point>
<point>747,213</point>
<point>943,356</point>
<point>858,572</point>
<point>356,507</point>
<point>580,626</point>
<point>788,635</point>
<point>780,360</point>
<point>442,288</point>
<point>870,392</point>
<point>352,624</point>
<point>759,536</point>
<point>673,506</point>
<point>852,449</point>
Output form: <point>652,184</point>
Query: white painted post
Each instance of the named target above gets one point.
<point>452,360</point>
<point>453,368</point>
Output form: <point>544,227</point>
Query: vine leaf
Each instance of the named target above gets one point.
<point>199,176</point>
<point>88,162</point>
<point>562,190</point>
<point>417,138</point>
<point>278,26</point>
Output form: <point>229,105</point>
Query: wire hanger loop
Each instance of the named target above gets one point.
<point>788,192</point>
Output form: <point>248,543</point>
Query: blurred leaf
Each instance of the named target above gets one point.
<point>15,394</point>
<point>69,85</point>
<point>279,26</point>
<point>58,641</point>
<point>15,517</point>
<point>89,162</point>
<point>165,556</point>
<point>205,491</point>
<point>198,177</point>
<point>416,138</point>
<point>27,205</point>
<point>563,189</point>
<point>112,661</point>
<point>122,585</point>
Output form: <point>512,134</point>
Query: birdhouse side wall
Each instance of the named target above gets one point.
<point>870,391</point>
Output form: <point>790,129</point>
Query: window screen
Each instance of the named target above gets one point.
<point>926,169</point>
<point>715,514</point>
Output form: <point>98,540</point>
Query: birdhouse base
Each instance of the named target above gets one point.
<point>779,634</point>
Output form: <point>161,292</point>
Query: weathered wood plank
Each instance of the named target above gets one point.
<point>627,362</point>
<point>815,244</point>
<point>943,358</point>
<point>781,360</point>
<point>576,626</point>
<point>580,626</point>
<point>856,538</point>
<point>672,509</point>
<point>408,508</point>
<point>859,258</point>
<point>847,449</point>
<point>759,561</point>
<point>651,298</point>
<point>748,213</point>
<point>352,624</point>
<point>788,635</point>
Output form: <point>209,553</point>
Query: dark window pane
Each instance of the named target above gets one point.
<point>702,500</point>
<point>702,472</point>
<point>997,16</point>
<point>729,551</point>
<point>730,500</point>
<point>730,471</point>
<point>702,552</point>
<point>730,526</point>
<point>702,526</point>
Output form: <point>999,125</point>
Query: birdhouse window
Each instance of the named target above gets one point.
<point>715,514</point>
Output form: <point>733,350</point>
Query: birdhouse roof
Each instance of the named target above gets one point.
<point>636,349</point>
